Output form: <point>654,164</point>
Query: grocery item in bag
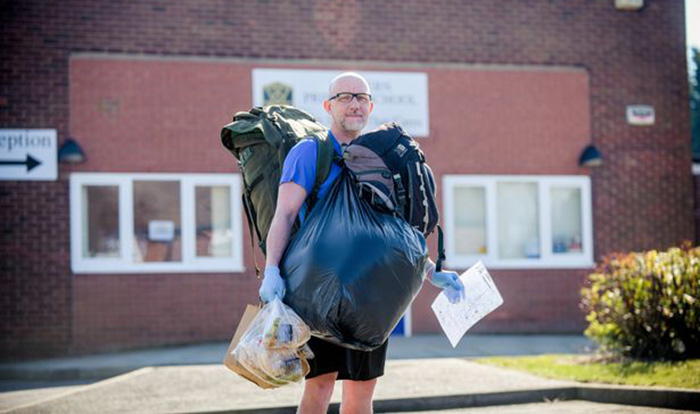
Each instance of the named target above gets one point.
<point>273,348</point>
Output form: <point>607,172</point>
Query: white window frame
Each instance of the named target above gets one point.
<point>190,263</point>
<point>547,258</point>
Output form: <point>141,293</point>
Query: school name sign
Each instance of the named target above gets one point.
<point>400,97</point>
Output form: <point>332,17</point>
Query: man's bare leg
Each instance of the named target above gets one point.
<point>357,397</point>
<point>317,394</point>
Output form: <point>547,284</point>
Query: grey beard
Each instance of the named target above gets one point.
<point>353,126</point>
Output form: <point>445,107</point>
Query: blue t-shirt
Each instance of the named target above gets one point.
<point>300,168</point>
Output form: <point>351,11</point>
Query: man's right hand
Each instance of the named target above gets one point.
<point>272,285</point>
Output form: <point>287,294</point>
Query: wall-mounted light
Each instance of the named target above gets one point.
<point>590,157</point>
<point>630,5</point>
<point>70,152</point>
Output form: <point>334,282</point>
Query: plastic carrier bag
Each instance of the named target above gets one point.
<point>274,346</point>
<point>351,271</point>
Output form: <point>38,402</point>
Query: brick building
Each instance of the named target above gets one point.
<point>143,244</point>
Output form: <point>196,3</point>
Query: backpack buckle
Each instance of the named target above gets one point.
<point>400,192</point>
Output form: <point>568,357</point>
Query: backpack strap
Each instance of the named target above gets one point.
<point>324,158</point>
<point>441,250</point>
<point>250,216</point>
<point>400,192</point>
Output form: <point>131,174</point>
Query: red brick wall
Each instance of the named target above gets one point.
<point>155,115</point>
<point>642,197</point>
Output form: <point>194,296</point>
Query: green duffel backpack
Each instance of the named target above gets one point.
<point>260,139</point>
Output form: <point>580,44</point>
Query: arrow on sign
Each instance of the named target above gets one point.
<point>31,162</point>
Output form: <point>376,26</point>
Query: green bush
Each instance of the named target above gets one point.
<point>646,305</point>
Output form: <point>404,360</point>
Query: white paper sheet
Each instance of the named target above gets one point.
<point>482,297</point>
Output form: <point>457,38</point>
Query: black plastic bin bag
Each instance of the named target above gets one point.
<point>351,271</point>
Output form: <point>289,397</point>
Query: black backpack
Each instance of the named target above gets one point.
<point>393,176</point>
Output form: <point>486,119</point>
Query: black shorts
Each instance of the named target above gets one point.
<point>349,363</point>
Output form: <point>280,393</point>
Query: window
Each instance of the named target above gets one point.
<point>213,212</point>
<point>470,220</point>
<point>518,221</point>
<point>100,211</point>
<point>128,223</point>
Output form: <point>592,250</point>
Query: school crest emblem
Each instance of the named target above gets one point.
<point>277,94</point>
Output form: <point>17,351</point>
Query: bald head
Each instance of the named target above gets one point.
<point>348,116</point>
<point>343,79</point>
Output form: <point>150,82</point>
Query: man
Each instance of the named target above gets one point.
<point>349,105</point>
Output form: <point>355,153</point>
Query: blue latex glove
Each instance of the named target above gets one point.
<point>272,285</point>
<point>449,282</point>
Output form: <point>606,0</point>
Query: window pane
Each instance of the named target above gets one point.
<point>157,221</point>
<point>566,220</point>
<point>213,212</point>
<point>518,224</point>
<point>470,220</point>
<point>100,221</point>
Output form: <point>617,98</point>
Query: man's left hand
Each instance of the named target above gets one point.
<point>449,282</point>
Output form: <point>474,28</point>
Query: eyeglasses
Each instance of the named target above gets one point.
<point>346,97</point>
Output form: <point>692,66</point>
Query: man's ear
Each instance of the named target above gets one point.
<point>371,106</point>
<point>327,105</point>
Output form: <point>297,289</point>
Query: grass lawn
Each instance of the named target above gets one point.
<point>589,368</point>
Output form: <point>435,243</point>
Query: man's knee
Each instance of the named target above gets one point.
<point>322,385</point>
<point>360,388</point>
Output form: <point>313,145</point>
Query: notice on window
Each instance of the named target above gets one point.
<point>482,297</point>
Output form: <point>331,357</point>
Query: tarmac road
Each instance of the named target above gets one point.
<point>568,407</point>
<point>423,373</point>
